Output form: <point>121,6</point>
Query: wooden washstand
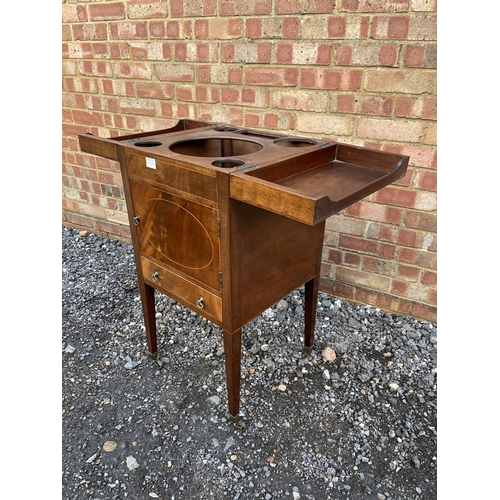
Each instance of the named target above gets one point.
<point>228,221</point>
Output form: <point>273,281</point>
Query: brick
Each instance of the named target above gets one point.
<point>218,29</point>
<point>221,114</point>
<point>430,134</point>
<point>423,28</point>
<point>429,109</point>
<point>219,74</point>
<point>337,289</point>
<point>358,244</point>
<point>193,8</point>
<point>150,51</point>
<point>74,13</point>
<point>278,121</point>
<point>196,52</point>
<point>425,180</point>
<point>425,312</point>
<point>390,27</point>
<point>346,225</point>
<point>332,79</point>
<point>318,123</point>
<point>66,33</point>
<point>421,258</point>
<point>136,70</point>
<point>376,105</point>
<point>304,6</point>
<point>391,195</point>
<point>95,31</point>
<point>155,90</point>
<point>424,5</point>
<point>400,81</point>
<point>147,10</point>
<point>302,100</point>
<point>334,256</point>
<point>174,72</point>
<point>138,106</point>
<point>390,6</point>
<point>376,212</point>
<point>366,54</point>
<point>273,27</point>
<point>425,200</point>
<point>364,279</point>
<point>421,56</point>
<point>429,278</point>
<point>128,31</point>
<point>245,8</point>
<point>389,130</point>
<point>342,103</point>
<point>412,291</point>
<point>69,68</point>
<point>303,53</point>
<point>106,11</point>
<point>423,221</point>
<point>249,53</point>
<point>351,260</point>
<point>269,76</point>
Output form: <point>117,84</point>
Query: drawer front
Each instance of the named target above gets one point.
<point>178,232</point>
<point>205,303</point>
<point>173,177</point>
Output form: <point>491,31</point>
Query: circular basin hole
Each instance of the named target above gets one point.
<point>225,128</point>
<point>295,143</point>
<point>147,144</point>
<point>215,147</point>
<point>227,163</point>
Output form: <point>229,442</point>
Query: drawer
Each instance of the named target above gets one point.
<point>200,300</point>
<point>165,172</point>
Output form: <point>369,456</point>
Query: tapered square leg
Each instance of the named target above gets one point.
<point>311,289</point>
<point>232,353</point>
<point>148,308</point>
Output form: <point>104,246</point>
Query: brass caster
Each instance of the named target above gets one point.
<point>238,423</point>
<point>158,362</point>
<point>308,350</point>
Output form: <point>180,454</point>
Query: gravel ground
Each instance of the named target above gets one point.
<point>360,426</point>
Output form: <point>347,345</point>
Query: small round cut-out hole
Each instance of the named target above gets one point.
<point>147,144</point>
<point>227,163</point>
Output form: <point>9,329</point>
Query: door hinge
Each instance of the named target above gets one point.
<point>218,228</point>
<point>220,278</point>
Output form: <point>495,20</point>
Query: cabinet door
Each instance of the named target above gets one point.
<point>180,233</point>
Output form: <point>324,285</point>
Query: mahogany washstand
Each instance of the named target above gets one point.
<point>228,220</point>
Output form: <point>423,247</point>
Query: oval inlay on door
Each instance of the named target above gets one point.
<point>177,234</point>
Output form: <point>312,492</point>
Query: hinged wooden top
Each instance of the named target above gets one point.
<point>298,177</point>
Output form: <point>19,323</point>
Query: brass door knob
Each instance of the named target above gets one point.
<point>200,303</point>
<point>155,276</point>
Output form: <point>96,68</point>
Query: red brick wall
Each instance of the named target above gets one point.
<point>357,71</point>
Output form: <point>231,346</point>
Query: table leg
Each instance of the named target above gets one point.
<point>148,309</point>
<point>232,353</point>
<point>311,289</point>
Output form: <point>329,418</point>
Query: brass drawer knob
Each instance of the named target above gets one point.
<point>155,276</point>
<point>200,303</point>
